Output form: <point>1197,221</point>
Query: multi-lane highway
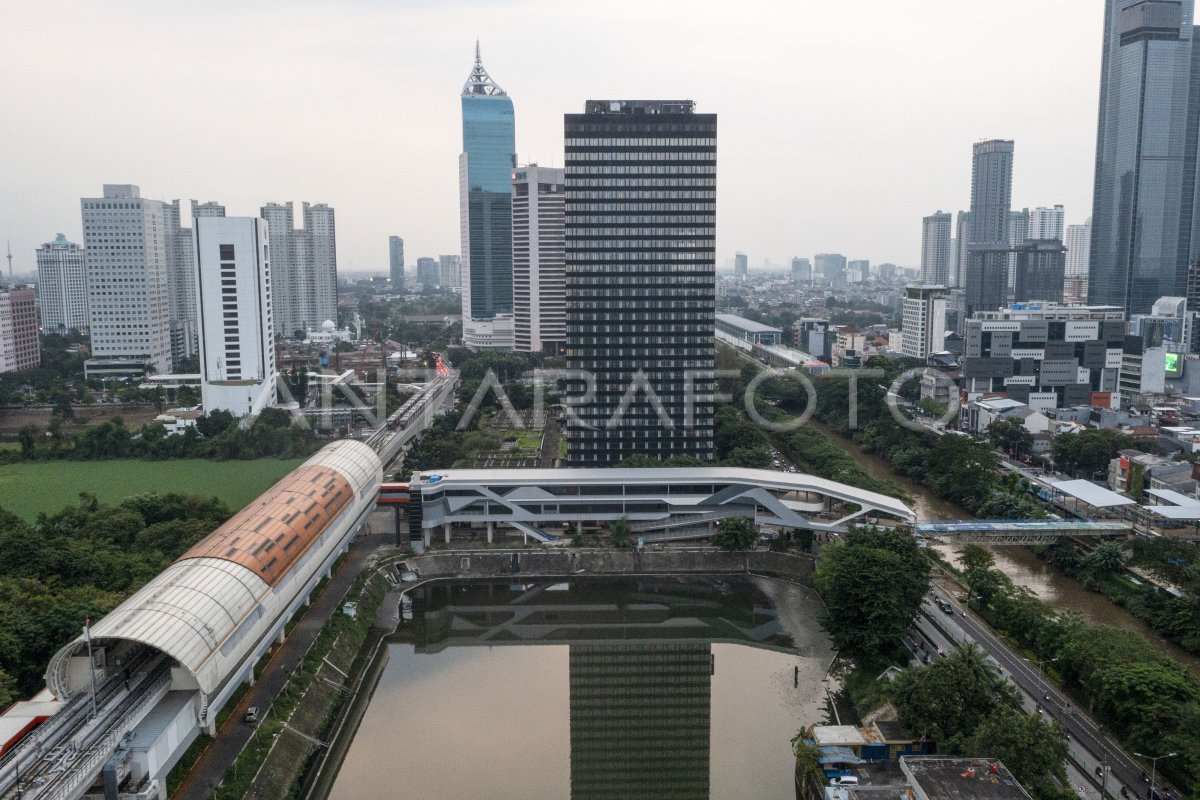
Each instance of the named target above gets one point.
<point>1090,746</point>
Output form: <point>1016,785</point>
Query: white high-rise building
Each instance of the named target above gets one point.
<point>962,243</point>
<point>129,304</point>
<point>935,248</point>
<point>19,350</point>
<point>924,320</point>
<point>305,266</point>
<point>539,271</point>
<point>1046,223</point>
<point>181,280</point>
<point>233,294</point>
<point>1079,248</point>
<point>62,286</point>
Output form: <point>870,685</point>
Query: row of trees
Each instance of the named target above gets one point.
<point>82,562</point>
<point>216,436</point>
<point>1144,695</point>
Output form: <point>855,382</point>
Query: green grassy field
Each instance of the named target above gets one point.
<point>27,489</point>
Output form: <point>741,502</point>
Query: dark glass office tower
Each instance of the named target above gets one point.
<point>640,721</point>
<point>640,268</point>
<point>986,278</point>
<point>1143,205</point>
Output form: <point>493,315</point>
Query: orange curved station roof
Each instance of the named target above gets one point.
<point>270,534</point>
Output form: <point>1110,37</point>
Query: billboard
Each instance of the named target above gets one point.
<point>1173,365</point>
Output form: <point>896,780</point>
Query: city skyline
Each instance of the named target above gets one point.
<point>386,169</point>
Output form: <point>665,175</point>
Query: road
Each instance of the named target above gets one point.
<point>224,749</point>
<point>1088,743</point>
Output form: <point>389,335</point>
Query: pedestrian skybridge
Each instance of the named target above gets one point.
<point>1017,532</point>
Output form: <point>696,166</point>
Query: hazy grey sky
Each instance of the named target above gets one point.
<point>841,123</point>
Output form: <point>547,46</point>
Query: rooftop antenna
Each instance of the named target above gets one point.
<point>8,244</point>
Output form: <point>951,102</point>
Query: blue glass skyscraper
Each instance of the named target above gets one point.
<point>485,207</point>
<point>1143,206</point>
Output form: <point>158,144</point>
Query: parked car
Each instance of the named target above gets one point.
<point>844,780</point>
<point>251,715</point>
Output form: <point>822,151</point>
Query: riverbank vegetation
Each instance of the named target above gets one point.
<point>1144,696</point>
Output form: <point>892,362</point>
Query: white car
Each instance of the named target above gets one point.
<point>844,780</point>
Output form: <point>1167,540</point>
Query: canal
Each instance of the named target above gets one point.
<point>593,688</point>
<point>1019,563</point>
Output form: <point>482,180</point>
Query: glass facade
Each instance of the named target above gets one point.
<point>986,276</point>
<point>641,279</point>
<point>1142,218</point>
<point>486,167</point>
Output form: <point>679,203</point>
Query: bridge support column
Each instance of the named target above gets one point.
<point>249,679</point>
<point>446,531</point>
<point>491,531</point>
<point>281,637</point>
<point>428,534</point>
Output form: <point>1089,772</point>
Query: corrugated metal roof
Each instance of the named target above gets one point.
<point>1090,493</point>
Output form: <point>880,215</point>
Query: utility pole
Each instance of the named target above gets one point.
<point>1104,777</point>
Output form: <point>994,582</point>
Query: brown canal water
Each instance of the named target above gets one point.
<point>1018,563</point>
<point>599,688</point>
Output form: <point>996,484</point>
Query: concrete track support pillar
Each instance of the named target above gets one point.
<point>491,531</point>
<point>446,531</point>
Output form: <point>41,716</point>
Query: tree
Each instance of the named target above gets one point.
<point>945,702</point>
<point>872,582</point>
<point>1107,558</point>
<point>8,690</point>
<point>1010,435</point>
<point>738,533</point>
<point>1088,452</point>
<point>27,436</point>
<point>619,532</point>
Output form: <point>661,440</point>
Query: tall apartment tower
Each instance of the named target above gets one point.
<point>962,237</point>
<point>62,286</point>
<point>450,272</point>
<point>641,273</point>
<point>858,270</point>
<point>1079,245</point>
<point>1018,232</point>
<point>181,279</point>
<point>305,261</point>
<point>924,320</point>
<point>1046,223</point>
<point>539,276</point>
<point>935,249</point>
<point>1143,210</point>
<point>988,248</point>
<point>233,295</point>
<point>320,236</point>
<point>485,211</point>
<point>741,265</point>
<point>19,350</point>
<point>832,267</point>
<point>129,303</point>
<point>396,262</point>
<point>1041,264</point>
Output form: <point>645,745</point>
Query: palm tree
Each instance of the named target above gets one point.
<point>979,665</point>
<point>619,532</point>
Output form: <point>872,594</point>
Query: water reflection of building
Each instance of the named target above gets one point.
<point>640,717</point>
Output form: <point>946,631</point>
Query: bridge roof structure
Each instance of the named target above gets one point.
<point>537,481</point>
<point>1091,494</point>
<point>1016,531</point>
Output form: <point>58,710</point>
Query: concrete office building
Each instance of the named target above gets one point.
<point>831,267</point>
<point>986,279</point>
<point>233,295</point>
<point>801,270</point>
<point>924,320</point>
<point>450,272</point>
<point>1041,264</point>
<point>396,263</point>
<point>305,266</point>
<point>1079,245</point>
<point>62,286</point>
<point>741,265</point>
<point>19,349</point>
<point>539,271</point>
<point>129,303</point>
<point>815,336</point>
<point>858,271</point>
<point>641,273</point>
<point>485,211</point>
<point>1044,354</point>
<point>936,255</point>
<point>1143,209</point>
<point>1046,223</point>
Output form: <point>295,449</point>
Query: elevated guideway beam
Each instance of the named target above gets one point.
<point>1017,532</point>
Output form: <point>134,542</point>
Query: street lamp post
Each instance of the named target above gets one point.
<point>1042,662</point>
<point>1154,768</point>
